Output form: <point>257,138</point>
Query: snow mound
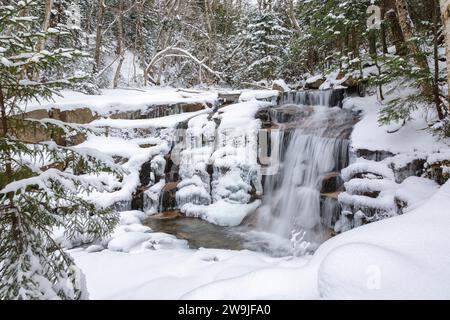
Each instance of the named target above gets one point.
<point>403,257</point>
<point>222,213</point>
<point>367,167</point>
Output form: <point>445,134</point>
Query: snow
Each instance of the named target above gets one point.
<point>369,135</point>
<point>127,241</point>
<point>134,155</point>
<point>414,191</point>
<point>314,79</point>
<point>367,167</point>
<point>222,213</point>
<point>282,84</point>
<point>405,257</point>
<point>232,153</point>
<point>163,122</point>
<point>248,95</point>
<point>113,100</point>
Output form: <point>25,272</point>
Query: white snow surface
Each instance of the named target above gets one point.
<point>402,257</point>
<point>368,134</point>
<point>222,213</point>
<point>162,122</point>
<point>112,100</point>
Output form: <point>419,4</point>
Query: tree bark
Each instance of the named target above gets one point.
<point>419,57</point>
<point>99,35</point>
<point>212,32</point>
<point>373,43</point>
<point>291,14</point>
<point>383,34</point>
<point>445,12</point>
<point>437,99</point>
<point>45,24</point>
<point>398,38</point>
<point>120,44</point>
<point>140,32</point>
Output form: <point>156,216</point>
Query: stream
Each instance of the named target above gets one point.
<point>313,133</point>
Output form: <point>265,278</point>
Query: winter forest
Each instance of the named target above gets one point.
<point>224,149</point>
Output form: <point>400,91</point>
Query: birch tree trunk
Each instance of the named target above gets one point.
<point>291,14</point>
<point>99,35</point>
<point>419,57</point>
<point>120,44</point>
<point>46,23</point>
<point>445,12</point>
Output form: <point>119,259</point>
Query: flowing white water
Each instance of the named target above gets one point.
<point>314,149</point>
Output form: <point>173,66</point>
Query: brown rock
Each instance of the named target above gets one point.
<point>277,87</point>
<point>79,116</point>
<point>171,186</point>
<point>315,85</point>
<point>168,215</point>
<point>192,107</point>
<point>36,114</point>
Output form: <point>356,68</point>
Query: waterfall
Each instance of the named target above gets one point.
<point>326,98</point>
<point>314,147</point>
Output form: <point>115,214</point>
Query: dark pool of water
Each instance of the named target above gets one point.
<point>202,234</point>
<point>198,233</point>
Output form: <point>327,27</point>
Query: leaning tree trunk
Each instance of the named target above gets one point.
<point>445,11</point>
<point>120,44</point>
<point>419,57</point>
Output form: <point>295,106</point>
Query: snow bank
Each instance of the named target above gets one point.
<point>163,122</point>
<point>366,167</point>
<point>369,135</point>
<point>405,257</point>
<point>122,100</point>
<point>231,150</point>
<point>119,193</point>
<point>222,213</point>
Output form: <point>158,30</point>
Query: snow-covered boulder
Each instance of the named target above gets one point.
<point>280,85</point>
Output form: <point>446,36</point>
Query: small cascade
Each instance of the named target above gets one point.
<point>325,98</point>
<point>314,148</point>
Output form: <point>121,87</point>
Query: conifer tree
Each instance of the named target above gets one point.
<point>43,185</point>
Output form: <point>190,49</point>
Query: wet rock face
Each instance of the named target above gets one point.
<point>331,183</point>
<point>291,113</point>
<point>168,200</point>
<point>330,211</point>
<point>373,155</point>
<point>265,116</point>
<point>414,168</point>
<point>439,171</point>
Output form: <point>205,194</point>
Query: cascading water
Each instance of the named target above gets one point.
<point>313,145</point>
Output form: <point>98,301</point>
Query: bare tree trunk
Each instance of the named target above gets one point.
<point>383,34</point>
<point>99,35</point>
<point>45,24</point>
<point>397,35</point>
<point>211,29</point>
<point>445,12</point>
<point>291,14</point>
<point>140,32</point>
<point>120,51</point>
<point>373,43</point>
<point>437,100</point>
<point>419,57</point>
